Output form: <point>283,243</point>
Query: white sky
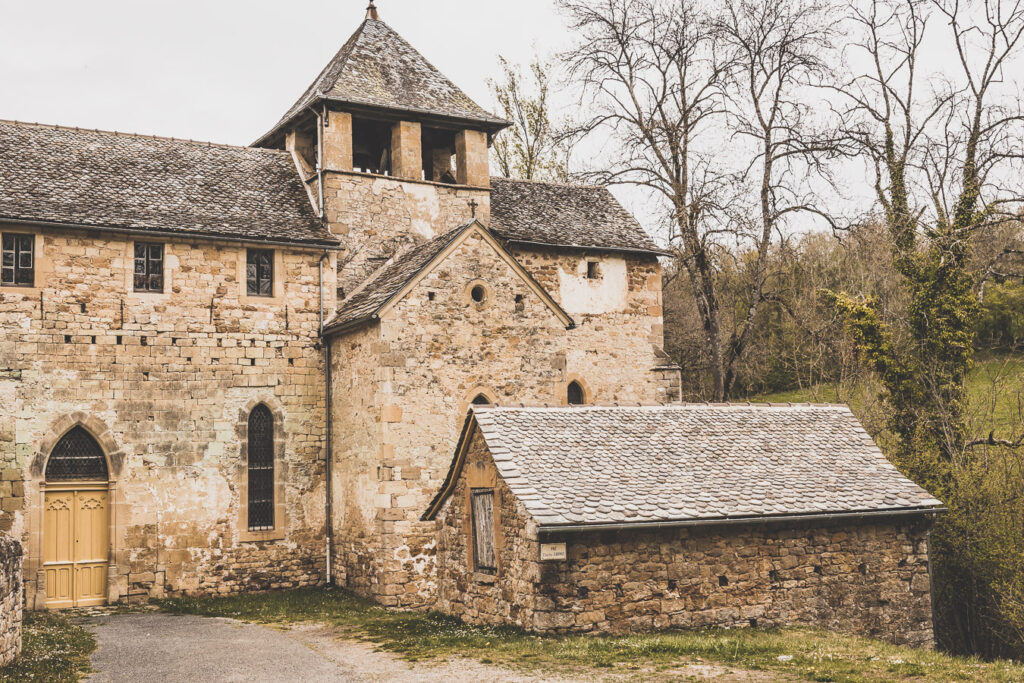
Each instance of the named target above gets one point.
<point>225,70</point>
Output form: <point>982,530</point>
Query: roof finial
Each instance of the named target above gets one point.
<point>371,12</point>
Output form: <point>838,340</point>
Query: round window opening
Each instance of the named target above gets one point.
<point>479,293</point>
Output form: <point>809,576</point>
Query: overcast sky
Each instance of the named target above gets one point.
<point>225,70</point>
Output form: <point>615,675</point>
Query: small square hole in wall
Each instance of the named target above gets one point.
<point>431,295</point>
<point>119,339</point>
<point>593,270</point>
<point>144,341</point>
<point>67,338</point>
<point>723,580</point>
<point>83,308</point>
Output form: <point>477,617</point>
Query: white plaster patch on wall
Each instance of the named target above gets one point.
<point>424,210</point>
<point>605,293</point>
<point>423,563</point>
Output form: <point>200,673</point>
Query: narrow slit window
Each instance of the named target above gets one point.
<point>483,530</point>
<point>149,267</point>
<point>259,272</point>
<point>18,264</point>
<point>261,469</point>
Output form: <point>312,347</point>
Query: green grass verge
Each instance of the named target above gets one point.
<point>801,654</point>
<point>53,649</point>
<point>995,387</point>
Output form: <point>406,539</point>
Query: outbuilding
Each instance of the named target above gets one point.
<point>621,519</point>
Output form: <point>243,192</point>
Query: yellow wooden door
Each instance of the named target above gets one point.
<point>75,547</point>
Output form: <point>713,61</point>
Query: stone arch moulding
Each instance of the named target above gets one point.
<point>589,397</point>
<point>279,532</point>
<point>36,486</point>
<point>96,428</point>
<point>467,400</point>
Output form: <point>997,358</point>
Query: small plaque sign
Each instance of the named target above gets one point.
<point>552,551</point>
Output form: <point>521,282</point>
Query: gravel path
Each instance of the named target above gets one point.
<point>161,647</point>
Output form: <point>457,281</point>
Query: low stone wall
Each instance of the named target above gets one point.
<point>868,578</point>
<point>11,599</point>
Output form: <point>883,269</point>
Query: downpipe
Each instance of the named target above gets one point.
<point>328,453</point>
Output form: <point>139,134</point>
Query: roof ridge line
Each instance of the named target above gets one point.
<point>534,181</point>
<point>145,136</point>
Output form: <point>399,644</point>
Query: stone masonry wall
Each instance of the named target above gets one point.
<point>619,331</point>
<point>168,380</point>
<point>864,578</point>
<point>11,598</point>
<point>433,356</point>
<point>376,217</point>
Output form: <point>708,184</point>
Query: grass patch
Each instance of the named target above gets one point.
<point>807,654</point>
<point>53,649</point>
<point>995,387</point>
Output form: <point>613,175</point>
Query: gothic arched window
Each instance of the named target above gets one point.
<point>261,469</point>
<point>574,394</point>
<point>77,456</point>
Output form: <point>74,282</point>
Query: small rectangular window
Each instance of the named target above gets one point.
<point>593,270</point>
<point>259,272</point>
<point>149,267</point>
<point>18,264</point>
<point>483,530</point>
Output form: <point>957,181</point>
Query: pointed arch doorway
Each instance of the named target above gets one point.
<point>76,522</point>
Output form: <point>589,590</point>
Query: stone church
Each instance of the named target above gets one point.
<point>226,369</point>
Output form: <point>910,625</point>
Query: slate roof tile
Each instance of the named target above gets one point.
<point>377,67</point>
<point>115,180</point>
<point>565,215</point>
<point>388,280</point>
<point>601,465</point>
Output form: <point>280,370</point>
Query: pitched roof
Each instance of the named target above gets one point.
<point>676,463</point>
<point>376,67</point>
<point>564,215</point>
<point>113,180</point>
<point>390,279</point>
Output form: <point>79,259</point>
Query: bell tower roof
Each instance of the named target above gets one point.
<point>377,69</point>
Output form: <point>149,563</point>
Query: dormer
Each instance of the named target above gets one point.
<point>379,107</point>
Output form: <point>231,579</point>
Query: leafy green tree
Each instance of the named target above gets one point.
<point>532,147</point>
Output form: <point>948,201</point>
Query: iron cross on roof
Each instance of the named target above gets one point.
<point>472,206</point>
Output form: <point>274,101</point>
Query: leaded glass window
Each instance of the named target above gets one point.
<point>18,267</point>
<point>76,456</point>
<point>259,272</point>
<point>261,469</point>
<point>149,267</point>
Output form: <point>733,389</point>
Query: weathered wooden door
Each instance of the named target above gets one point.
<point>75,547</point>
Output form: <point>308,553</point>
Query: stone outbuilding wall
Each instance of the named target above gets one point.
<point>867,578</point>
<point>11,598</point>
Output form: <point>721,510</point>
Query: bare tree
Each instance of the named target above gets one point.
<point>699,103</point>
<point>946,154</point>
<point>945,144</point>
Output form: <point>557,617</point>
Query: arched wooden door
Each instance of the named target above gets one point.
<point>76,522</point>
